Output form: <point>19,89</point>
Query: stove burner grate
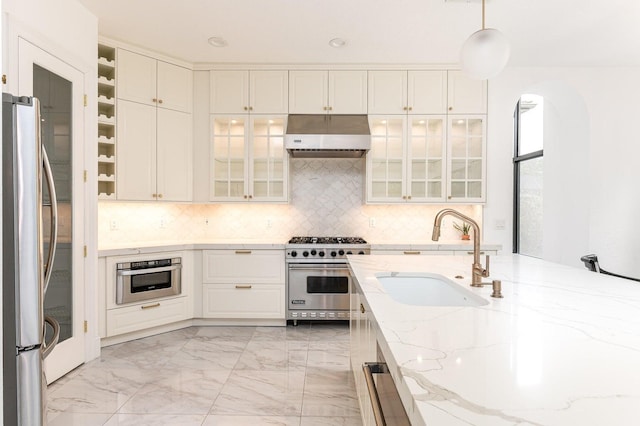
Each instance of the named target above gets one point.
<point>327,240</point>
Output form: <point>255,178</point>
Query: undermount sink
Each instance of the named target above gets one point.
<point>424,289</point>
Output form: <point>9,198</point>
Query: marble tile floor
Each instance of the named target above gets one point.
<point>215,376</point>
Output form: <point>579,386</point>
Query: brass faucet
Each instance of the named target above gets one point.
<point>477,271</point>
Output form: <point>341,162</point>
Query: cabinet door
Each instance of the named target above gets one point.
<point>466,96</point>
<point>426,158</point>
<point>175,87</point>
<point>174,154</point>
<point>228,158</point>
<point>269,92</point>
<point>387,92</point>
<point>308,92</point>
<point>427,92</point>
<point>268,159</point>
<point>136,151</point>
<point>467,158</point>
<point>136,77</point>
<point>229,92</point>
<point>229,301</point>
<point>386,159</point>
<point>243,266</point>
<point>348,92</point>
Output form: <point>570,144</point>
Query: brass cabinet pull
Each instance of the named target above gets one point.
<point>154,195</point>
<point>250,108</point>
<point>154,100</point>
<point>450,108</point>
<point>159,101</point>
<point>408,197</point>
<point>155,305</point>
<point>405,108</point>
<point>243,286</point>
<point>470,252</point>
<point>159,195</point>
<point>411,252</point>
<point>243,251</point>
<point>362,308</point>
<point>410,108</point>
<point>246,108</point>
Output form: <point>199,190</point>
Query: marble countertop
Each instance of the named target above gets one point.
<point>256,244</point>
<point>561,348</point>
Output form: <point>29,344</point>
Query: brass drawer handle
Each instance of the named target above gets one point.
<point>470,252</point>
<point>243,251</point>
<point>411,252</point>
<point>155,305</point>
<point>243,286</point>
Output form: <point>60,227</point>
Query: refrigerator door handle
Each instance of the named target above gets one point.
<point>48,267</point>
<point>47,347</point>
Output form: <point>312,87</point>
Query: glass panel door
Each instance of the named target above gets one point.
<point>466,158</point>
<point>386,159</point>
<point>269,159</point>
<point>228,168</point>
<point>60,88</point>
<point>426,154</point>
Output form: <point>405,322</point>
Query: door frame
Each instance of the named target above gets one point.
<point>70,353</point>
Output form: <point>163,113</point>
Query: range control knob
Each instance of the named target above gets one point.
<point>313,252</point>
<point>360,252</point>
<point>341,252</point>
<point>333,254</point>
<point>305,253</point>
<point>294,253</point>
<point>349,252</point>
<point>321,254</point>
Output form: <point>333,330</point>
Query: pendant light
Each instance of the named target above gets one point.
<point>485,53</point>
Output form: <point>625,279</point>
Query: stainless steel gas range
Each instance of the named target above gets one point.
<point>318,279</point>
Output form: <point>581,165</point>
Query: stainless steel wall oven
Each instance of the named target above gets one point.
<point>148,279</point>
<point>318,279</point>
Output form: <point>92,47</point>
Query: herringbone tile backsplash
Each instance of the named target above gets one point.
<point>326,199</point>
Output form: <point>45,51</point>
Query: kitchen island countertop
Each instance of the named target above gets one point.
<point>561,348</point>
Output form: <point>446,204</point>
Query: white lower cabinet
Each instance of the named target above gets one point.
<point>243,301</point>
<point>363,349</point>
<point>139,316</point>
<point>243,284</point>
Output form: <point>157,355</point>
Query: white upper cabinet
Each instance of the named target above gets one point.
<point>328,92</point>
<point>427,92</point>
<point>466,96</point>
<point>255,92</point>
<point>148,81</point>
<point>407,92</point>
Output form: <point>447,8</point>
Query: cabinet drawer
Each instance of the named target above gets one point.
<point>243,301</point>
<point>146,315</point>
<point>243,266</point>
<point>415,252</point>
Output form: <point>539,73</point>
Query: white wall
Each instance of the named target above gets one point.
<point>591,173</point>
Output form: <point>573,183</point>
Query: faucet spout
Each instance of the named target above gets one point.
<point>477,271</point>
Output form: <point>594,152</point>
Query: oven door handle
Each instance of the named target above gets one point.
<point>129,272</point>
<point>323,267</point>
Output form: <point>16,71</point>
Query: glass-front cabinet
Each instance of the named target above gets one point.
<point>248,159</point>
<point>406,162</point>
<point>467,158</point>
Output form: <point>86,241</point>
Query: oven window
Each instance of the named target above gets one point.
<point>151,281</point>
<point>327,285</point>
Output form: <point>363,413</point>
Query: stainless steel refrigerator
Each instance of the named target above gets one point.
<point>26,269</point>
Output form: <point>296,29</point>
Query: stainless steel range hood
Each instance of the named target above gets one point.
<point>327,136</point>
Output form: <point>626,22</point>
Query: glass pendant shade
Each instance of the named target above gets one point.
<point>484,54</point>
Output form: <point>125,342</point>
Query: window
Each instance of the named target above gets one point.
<point>528,166</point>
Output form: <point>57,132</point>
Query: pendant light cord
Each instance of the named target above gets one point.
<point>483,14</point>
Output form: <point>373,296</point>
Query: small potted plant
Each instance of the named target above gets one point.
<point>464,228</point>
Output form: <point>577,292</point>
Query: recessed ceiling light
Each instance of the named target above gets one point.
<point>337,42</point>
<point>218,42</point>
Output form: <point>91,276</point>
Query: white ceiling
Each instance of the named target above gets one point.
<point>542,32</point>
